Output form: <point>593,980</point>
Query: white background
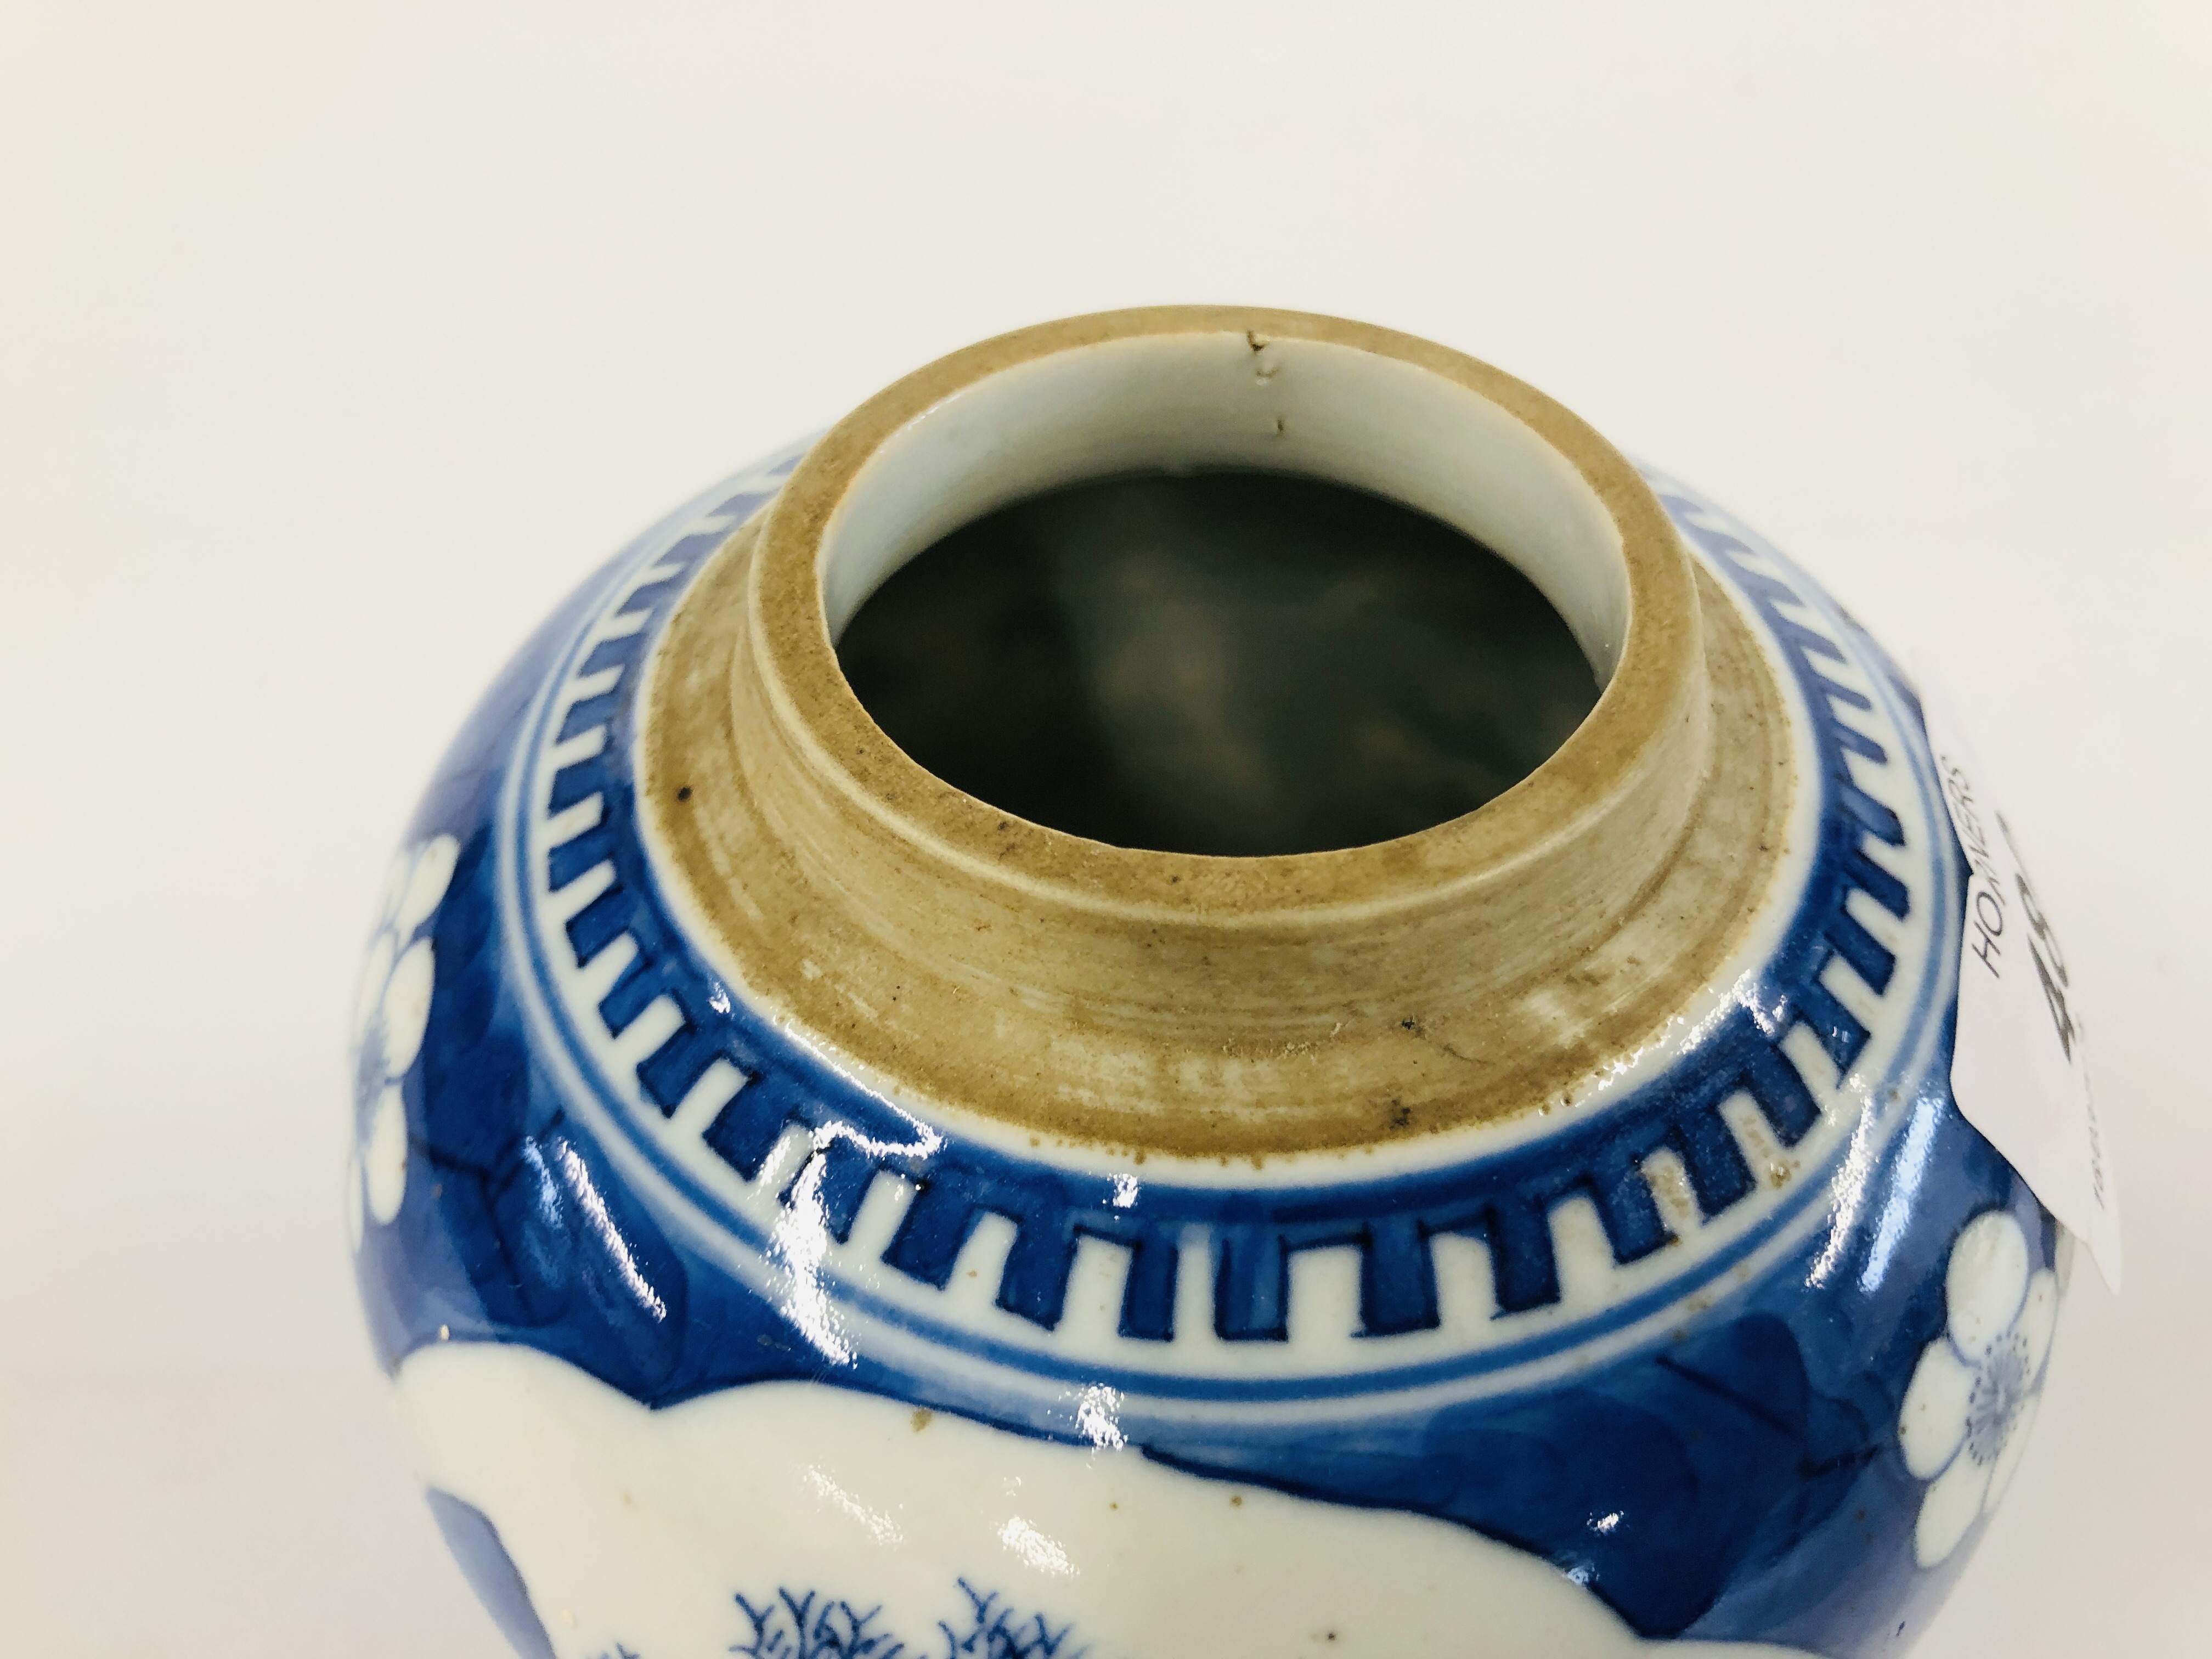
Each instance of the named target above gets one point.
<point>337,340</point>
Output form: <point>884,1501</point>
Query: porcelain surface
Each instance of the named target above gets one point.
<point>710,1337</point>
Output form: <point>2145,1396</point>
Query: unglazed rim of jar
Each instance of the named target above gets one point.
<point>970,962</point>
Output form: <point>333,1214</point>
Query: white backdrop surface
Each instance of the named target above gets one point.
<point>337,342</point>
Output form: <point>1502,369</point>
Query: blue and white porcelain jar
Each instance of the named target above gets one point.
<point>807,1210</point>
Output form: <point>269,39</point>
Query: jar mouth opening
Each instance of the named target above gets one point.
<point>1188,388</point>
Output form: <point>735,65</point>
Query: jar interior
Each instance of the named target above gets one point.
<point>1223,592</point>
<point>1231,662</point>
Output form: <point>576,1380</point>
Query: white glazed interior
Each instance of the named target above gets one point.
<point>1187,402</point>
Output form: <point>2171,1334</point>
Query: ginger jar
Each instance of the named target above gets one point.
<point>808,1207</point>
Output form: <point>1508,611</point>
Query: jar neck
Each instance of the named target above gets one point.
<point>1176,1002</point>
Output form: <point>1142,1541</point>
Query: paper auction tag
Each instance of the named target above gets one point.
<point>2017,1070</point>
